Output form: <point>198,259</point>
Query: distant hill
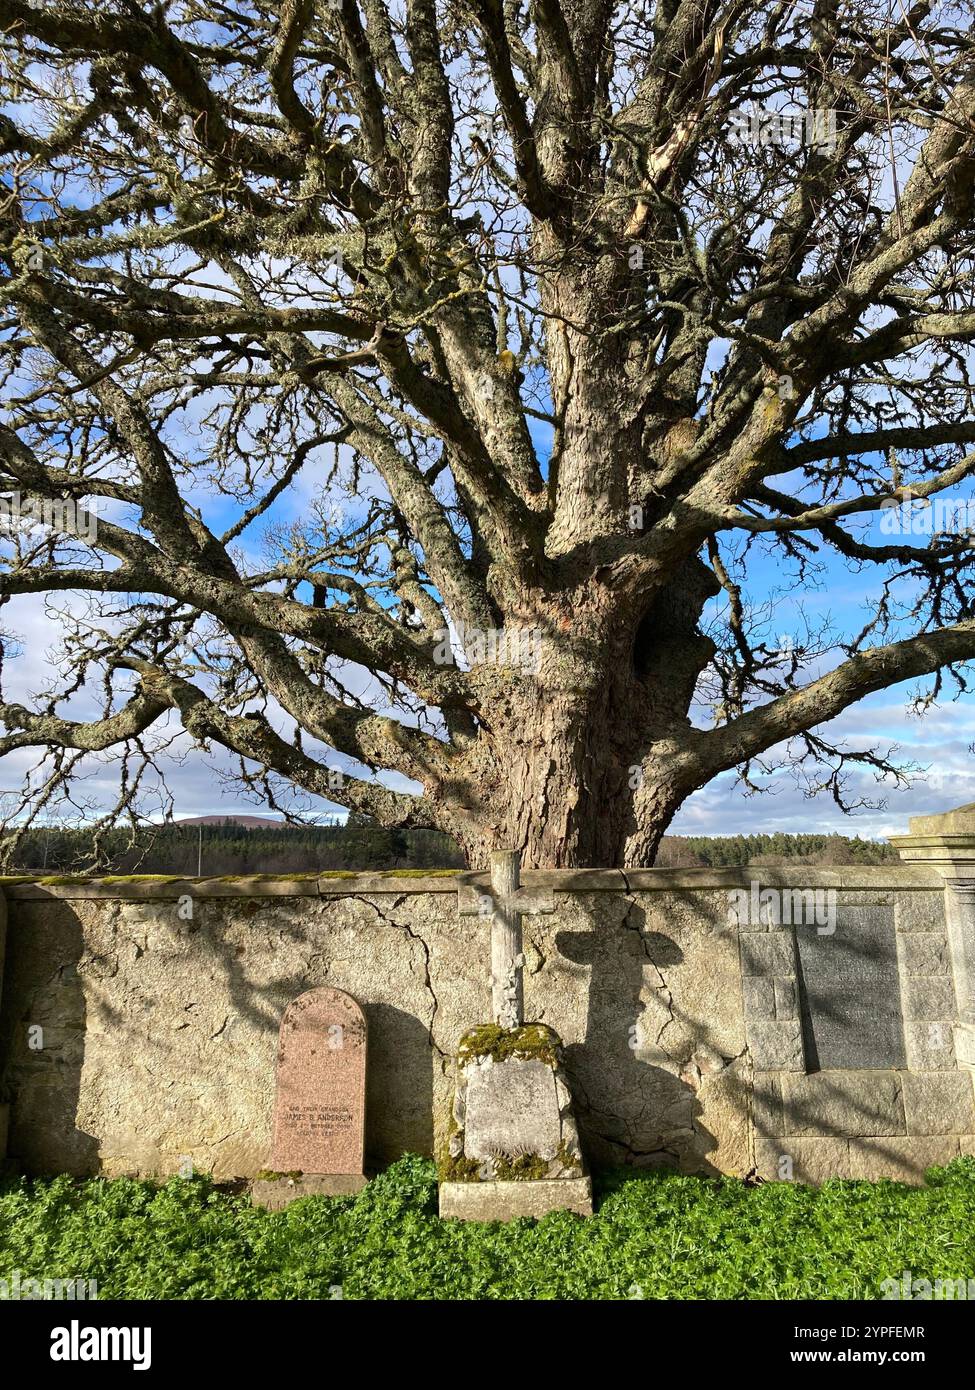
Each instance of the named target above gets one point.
<point>247,822</point>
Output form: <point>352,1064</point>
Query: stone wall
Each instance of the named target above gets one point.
<point>138,1021</point>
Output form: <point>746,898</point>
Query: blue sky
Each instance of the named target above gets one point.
<point>939,742</point>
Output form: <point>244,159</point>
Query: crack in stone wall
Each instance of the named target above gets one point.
<point>425,948</point>
<point>160,1034</point>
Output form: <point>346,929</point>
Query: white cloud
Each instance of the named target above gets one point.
<point>940,742</point>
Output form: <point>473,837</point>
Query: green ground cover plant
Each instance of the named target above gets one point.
<point>654,1235</point>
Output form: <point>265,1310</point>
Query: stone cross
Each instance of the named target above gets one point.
<point>505,902</point>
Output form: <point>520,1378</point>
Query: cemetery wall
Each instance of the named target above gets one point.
<point>712,1020</point>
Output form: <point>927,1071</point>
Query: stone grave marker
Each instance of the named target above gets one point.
<point>320,1108</point>
<point>514,1147</point>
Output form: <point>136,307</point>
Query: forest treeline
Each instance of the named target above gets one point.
<point>728,851</point>
<point>230,848</point>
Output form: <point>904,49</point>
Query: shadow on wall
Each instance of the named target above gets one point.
<point>180,1058</point>
<point>182,1049</point>
<point>42,1040</point>
<point>399,1046</point>
<point>635,1103</point>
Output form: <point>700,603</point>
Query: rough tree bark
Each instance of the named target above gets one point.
<point>374,332</point>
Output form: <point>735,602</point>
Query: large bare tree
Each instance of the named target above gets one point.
<point>554,349</point>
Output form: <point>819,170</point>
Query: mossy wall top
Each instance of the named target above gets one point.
<point>139,1018</point>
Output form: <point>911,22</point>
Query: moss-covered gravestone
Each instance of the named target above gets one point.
<point>513,1148</point>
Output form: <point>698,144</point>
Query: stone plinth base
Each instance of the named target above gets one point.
<point>276,1193</point>
<point>502,1201</point>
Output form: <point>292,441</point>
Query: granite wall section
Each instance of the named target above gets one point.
<point>139,1021</point>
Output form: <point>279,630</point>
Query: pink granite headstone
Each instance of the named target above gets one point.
<point>319,1114</point>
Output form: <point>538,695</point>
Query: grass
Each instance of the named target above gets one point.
<point>662,1234</point>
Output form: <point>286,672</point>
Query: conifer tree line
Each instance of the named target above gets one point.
<point>231,848</point>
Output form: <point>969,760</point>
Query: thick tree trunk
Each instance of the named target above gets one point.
<point>567,801</point>
<point>584,763</point>
<point>558,792</point>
